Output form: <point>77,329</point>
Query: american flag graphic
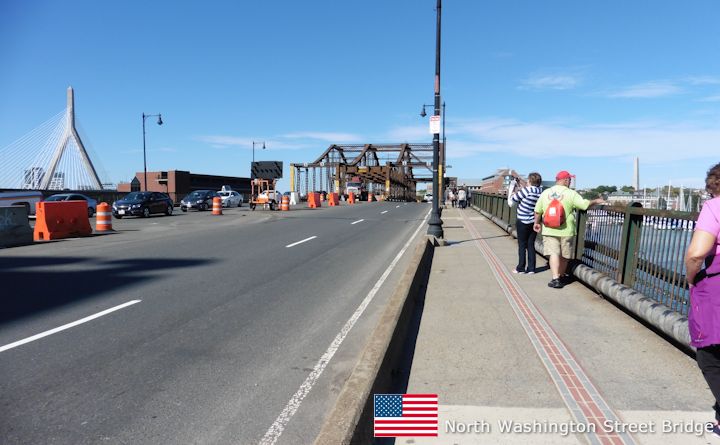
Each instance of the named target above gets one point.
<point>406,415</point>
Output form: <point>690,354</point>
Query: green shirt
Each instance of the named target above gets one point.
<point>570,200</point>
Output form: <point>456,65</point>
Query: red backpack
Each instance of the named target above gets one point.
<point>554,215</point>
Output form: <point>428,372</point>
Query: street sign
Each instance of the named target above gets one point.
<point>266,169</point>
<point>434,124</point>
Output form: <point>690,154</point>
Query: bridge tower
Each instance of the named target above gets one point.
<point>70,135</point>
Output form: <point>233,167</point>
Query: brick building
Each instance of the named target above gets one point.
<point>499,181</point>
<point>178,183</point>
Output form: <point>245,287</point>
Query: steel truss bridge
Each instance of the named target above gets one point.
<point>390,171</point>
<point>50,157</point>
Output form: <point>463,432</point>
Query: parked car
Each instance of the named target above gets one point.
<point>231,198</point>
<point>199,199</point>
<point>142,204</point>
<point>91,203</point>
<point>428,197</point>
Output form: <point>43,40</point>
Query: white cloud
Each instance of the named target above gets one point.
<point>550,82</point>
<point>703,80</point>
<point>715,98</point>
<point>648,90</point>
<point>222,142</point>
<point>337,138</point>
<point>409,133</point>
<point>653,141</point>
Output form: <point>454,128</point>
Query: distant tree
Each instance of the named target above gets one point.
<point>605,189</point>
<point>627,189</point>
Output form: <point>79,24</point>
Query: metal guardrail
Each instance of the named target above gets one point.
<point>643,249</point>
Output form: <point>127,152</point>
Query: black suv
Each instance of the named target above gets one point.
<point>142,204</point>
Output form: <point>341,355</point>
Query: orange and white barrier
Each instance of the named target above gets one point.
<point>103,218</point>
<point>61,219</point>
<point>333,199</point>
<point>370,197</point>
<point>217,206</point>
<point>285,203</point>
<point>351,198</point>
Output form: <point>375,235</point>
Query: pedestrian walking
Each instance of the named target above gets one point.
<point>462,198</point>
<point>525,198</point>
<point>556,209</point>
<point>704,312</point>
<point>453,197</point>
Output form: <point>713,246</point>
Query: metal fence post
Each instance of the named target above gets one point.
<point>629,248</point>
<point>580,239</point>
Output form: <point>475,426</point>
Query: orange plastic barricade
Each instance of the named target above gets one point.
<point>61,219</point>
<point>103,218</point>
<point>333,199</point>
<point>370,197</point>
<point>351,198</point>
<point>217,206</point>
<point>314,200</point>
<point>285,203</point>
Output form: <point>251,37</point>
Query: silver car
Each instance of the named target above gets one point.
<point>231,198</point>
<point>91,203</point>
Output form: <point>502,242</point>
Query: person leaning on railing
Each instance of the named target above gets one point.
<point>557,242</point>
<point>704,313</point>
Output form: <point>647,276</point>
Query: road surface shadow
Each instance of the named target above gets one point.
<point>36,284</point>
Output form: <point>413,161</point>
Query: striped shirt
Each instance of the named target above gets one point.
<point>526,198</point>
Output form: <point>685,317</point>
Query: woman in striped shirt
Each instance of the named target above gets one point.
<point>525,198</point>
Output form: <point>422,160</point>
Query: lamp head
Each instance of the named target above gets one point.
<point>423,113</point>
<point>263,145</point>
<point>159,122</point>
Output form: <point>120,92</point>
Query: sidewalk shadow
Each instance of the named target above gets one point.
<point>449,243</point>
<point>35,284</point>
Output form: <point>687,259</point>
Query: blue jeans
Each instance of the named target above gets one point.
<point>526,245</point>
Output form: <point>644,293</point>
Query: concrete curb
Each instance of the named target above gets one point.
<point>666,320</point>
<point>350,420</point>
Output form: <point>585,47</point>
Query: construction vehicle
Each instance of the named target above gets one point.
<point>262,192</point>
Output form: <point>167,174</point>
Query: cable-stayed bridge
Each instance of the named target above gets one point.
<point>50,157</point>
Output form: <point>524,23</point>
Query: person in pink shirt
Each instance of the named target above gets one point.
<point>704,312</point>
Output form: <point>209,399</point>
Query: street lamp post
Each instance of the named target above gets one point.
<point>443,160</point>
<point>258,143</point>
<point>435,224</point>
<point>159,122</point>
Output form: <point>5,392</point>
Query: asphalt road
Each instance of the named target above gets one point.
<point>230,324</point>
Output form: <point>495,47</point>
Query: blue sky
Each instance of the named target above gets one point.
<point>546,86</point>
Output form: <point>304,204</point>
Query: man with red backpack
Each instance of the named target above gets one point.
<point>556,209</point>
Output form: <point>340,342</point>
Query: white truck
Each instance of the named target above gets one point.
<point>27,198</point>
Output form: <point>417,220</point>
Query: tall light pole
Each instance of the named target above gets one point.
<point>159,122</point>
<point>258,143</point>
<point>435,224</point>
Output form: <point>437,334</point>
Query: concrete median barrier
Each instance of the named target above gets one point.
<point>14,227</point>
<point>350,421</point>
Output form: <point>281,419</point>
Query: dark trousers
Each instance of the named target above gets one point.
<point>708,359</point>
<point>526,245</point>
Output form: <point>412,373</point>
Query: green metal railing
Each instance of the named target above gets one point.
<point>641,248</point>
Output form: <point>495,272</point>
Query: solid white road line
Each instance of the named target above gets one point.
<point>383,212</point>
<point>301,241</point>
<point>67,326</point>
<point>358,221</point>
<point>276,429</point>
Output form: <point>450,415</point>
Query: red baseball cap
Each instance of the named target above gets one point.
<point>563,175</point>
